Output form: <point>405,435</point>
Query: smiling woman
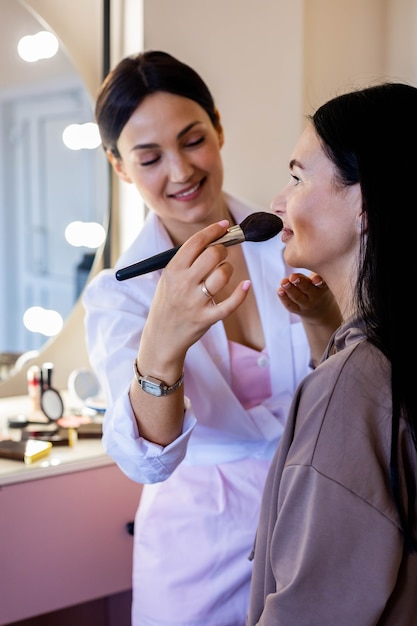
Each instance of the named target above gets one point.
<point>52,191</point>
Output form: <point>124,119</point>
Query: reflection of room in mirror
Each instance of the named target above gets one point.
<point>45,187</point>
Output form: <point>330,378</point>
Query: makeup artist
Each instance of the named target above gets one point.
<point>198,361</point>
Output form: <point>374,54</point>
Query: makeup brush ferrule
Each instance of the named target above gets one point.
<point>233,236</point>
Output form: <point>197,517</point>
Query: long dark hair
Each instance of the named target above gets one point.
<point>138,76</point>
<point>371,136</point>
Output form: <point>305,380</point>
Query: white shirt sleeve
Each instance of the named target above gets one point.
<point>142,460</point>
<point>115,316</point>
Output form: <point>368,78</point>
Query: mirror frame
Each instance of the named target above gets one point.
<point>68,350</point>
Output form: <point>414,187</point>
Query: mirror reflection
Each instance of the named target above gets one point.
<point>53,194</point>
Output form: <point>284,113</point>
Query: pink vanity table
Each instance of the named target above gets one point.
<point>64,542</point>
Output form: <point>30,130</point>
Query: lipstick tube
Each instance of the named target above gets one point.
<point>34,387</point>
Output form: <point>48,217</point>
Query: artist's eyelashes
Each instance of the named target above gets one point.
<point>151,159</point>
<point>193,143</point>
<point>295,179</point>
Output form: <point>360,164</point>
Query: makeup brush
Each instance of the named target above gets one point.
<point>259,226</point>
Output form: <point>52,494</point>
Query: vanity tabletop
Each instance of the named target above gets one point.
<point>62,459</point>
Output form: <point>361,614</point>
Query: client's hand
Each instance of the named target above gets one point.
<point>309,297</point>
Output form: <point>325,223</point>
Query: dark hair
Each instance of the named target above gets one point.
<point>371,136</point>
<point>138,76</point>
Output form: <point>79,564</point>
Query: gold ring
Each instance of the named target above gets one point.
<point>206,291</point>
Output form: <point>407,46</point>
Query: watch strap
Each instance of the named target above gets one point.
<point>155,386</point>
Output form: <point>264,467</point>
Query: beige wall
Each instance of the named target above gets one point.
<point>356,43</point>
<point>251,56</point>
<point>344,46</point>
<point>401,40</point>
<point>268,63</point>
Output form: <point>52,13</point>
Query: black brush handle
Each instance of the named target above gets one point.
<point>259,226</point>
<point>156,262</point>
<point>233,236</point>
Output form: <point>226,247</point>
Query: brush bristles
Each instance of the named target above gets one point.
<point>261,226</point>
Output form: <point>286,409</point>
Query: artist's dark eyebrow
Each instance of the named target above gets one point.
<point>184,131</point>
<point>295,163</point>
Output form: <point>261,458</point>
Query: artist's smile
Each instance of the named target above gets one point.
<point>188,192</point>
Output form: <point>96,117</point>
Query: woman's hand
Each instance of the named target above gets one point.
<point>309,297</point>
<point>181,312</point>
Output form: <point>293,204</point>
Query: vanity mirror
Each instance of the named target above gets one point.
<point>44,187</point>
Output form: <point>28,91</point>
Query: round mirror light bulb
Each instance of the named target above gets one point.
<point>81,136</point>
<point>43,45</point>
<point>88,234</point>
<point>36,319</point>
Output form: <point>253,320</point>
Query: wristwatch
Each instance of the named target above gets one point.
<point>154,386</point>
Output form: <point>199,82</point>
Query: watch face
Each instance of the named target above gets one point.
<point>153,388</point>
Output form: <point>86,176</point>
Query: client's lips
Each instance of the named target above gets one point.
<point>286,233</point>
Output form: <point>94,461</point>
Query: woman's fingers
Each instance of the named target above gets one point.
<point>309,297</point>
<point>300,293</point>
<point>185,303</point>
<point>198,243</point>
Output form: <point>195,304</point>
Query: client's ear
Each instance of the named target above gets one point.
<point>363,222</point>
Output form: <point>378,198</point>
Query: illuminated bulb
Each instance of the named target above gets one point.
<point>43,45</point>
<point>87,234</point>
<point>48,322</point>
<point>81,136</point>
